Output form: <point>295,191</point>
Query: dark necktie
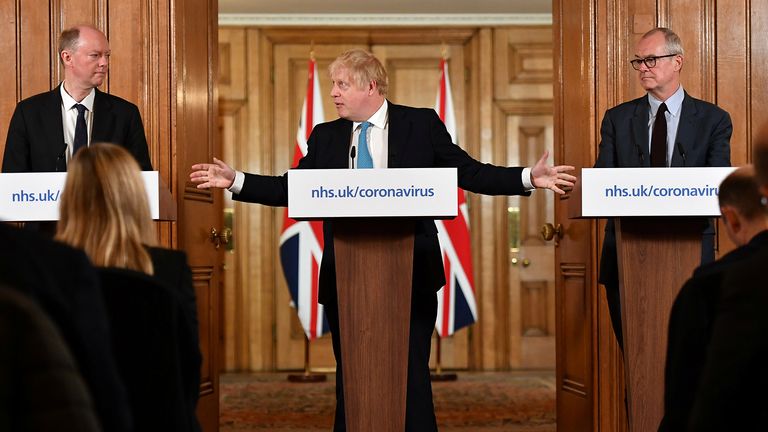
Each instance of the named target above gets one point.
<point>81,129</point>
<point>364,159</point>
<point>659,138</point>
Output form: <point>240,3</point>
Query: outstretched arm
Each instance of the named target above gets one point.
<point>544,176</point>
<point>218,175</point>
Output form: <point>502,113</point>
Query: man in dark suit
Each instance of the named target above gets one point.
<point>65,285</point>
<point>47,129</point>
<point>688,133</point>
<point>690,325</point>
<point>731,393</point>
<point>386,136</point>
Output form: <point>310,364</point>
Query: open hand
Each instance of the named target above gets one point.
<point>552,177</point>
<point>218,175</point>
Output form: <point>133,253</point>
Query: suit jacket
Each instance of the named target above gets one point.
<point>417,139</point>
<point>65,285</point>
<point>35,140</point>
<point>731,394</point>
<point>703,140</point>
<point>40,387</point>
<point>172,270</point>
<point>690,328</point>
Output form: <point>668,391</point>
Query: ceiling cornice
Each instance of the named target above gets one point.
<point>390,20</point>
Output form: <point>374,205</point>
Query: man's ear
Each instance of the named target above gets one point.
<point>66,56</point>
<point>731,218</point>
<point>372,88</point>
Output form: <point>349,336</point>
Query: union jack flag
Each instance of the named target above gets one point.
<point>456,306</point>
<point>301,242</point>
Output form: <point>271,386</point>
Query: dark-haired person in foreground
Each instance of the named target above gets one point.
<point>731,393</point>
<point>386,135</point>
<point>64,283</point>
<point>745,220</point>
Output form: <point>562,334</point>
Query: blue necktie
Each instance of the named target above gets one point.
<point>364,158</point>
<point>81,129</point>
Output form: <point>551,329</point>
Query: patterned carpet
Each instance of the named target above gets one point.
<point>476,402</point>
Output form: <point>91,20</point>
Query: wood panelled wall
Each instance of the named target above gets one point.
<point>164,59</point>
<point>725,53</point>
<point>502,85</point>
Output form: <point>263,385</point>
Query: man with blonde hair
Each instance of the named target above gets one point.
<point>375,133</point>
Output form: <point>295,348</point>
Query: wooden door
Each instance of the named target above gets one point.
<point>574,144</point>
<point>200,211</point>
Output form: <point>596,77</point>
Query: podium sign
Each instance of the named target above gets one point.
<point>35,196</point>
<point>614,192</point>
<point>393,192</point>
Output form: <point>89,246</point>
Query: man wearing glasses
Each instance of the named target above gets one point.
<point>664,128</point>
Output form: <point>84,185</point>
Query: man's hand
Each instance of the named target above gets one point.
<point>218,174</point>
<point>551,177</point>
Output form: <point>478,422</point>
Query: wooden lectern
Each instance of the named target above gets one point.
<point>658,242</point>
<point>373,226</point>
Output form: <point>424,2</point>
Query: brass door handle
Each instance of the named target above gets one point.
<point>220,238</point>
<point>525,261</point>
<point>548,231</point>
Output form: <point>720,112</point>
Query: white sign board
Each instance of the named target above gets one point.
<point>393,192</point>
<point>608,192</point>
<point>35,196</point>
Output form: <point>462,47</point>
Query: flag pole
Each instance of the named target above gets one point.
<point>307,376</point>
<point>439,375</point>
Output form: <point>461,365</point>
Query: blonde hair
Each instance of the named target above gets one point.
<point>104,209</point>
<point>363,69</point>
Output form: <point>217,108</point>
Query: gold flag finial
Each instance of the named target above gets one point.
<point>312,50</point>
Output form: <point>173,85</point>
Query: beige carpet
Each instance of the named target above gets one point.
<point>476,402</point>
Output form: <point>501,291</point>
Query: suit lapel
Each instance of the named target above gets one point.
<point>686,131</point>
<point>342,134</point>
<point>640,131</point>
<point>103,118</point>
<point>399,129</point>
<point>53,122</point>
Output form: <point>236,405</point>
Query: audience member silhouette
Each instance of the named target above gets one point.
<point>746,222</point>
<point>62,281</point>
<point>731,394</point>
<point>40,387</point>
<point>105,212</point>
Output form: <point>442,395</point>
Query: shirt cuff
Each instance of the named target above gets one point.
<point>527,180</point>
<point>237,184</point>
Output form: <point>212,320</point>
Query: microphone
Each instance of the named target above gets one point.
<point>681,151</point>
<point>352,156</point>
<point>61,160</point>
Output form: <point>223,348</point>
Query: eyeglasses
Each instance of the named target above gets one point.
<point>650,62</point>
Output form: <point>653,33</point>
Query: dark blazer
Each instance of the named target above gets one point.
<point>172,271</point>
<point>417,139</point>
<point>40,387</point>
<point>65,285</point>
<point>690,328</point>
<point>731,393</point>
<point>35,140</point>
<point>703,140</point>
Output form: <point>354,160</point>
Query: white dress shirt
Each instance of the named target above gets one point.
<point>69,117</point>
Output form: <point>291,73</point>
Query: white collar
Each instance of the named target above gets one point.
<point>378,119</point>
<point>69,102</point>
